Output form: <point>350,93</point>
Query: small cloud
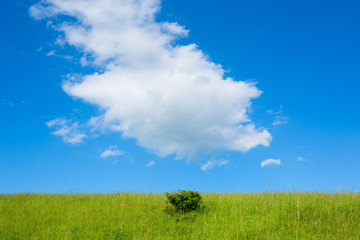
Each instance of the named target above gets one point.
<point>67,57</point>
<point>50,24</point>
<point>69,131</point>
<point>115,161</point>
<point>72,131</point>
<point>301,159</point>
<point>150,163</point>
<point>60,41</point>
<point>111,151</point>
<point>279,120</point>
<point>270,161</point>
<point>213,163</point>
<point>51,53</point>
<point>276,111</point>
<point>95,123</point>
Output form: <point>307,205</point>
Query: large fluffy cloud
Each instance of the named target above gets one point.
<point>170,97</point>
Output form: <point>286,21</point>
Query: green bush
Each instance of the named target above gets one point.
<point>184,201</point>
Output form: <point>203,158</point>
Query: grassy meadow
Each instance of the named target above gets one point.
<point>284,215</point>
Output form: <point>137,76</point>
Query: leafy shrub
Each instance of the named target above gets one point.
<point>184,201</point>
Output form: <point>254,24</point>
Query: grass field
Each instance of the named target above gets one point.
<point>285,215</point>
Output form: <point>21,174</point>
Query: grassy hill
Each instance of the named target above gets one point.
<point>287,215</point>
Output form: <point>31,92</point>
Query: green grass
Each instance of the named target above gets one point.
<point>285,215</point>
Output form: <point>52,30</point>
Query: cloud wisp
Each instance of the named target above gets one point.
<point>278,119</point>
<point>269,162</point>
<point>213,163</point>
<point>301,159</point>
<point>71,132</point>
<point>171,98</point>
<point>111,151</point>
<point>151,163</point>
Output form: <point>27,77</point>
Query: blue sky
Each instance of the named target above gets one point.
<point>126,102</point>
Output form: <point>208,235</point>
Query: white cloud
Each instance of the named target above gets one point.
<point>51,53</point>
<point>276,111</point>
<point>150,163</point>
<point>70,131</point>
<point>111,151</point>
<point>301,159</point>
<point>213,163</point>
<point>171,98</point>
<point>175,29</point>
<point>270,161</point>
<point>279,120</point>
<point>95,124</point>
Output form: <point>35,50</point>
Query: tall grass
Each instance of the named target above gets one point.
<point>285,215</point>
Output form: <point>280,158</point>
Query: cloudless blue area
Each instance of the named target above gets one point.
<point>304,56</point>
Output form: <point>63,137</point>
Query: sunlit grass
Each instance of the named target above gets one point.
<point>285,215</point>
